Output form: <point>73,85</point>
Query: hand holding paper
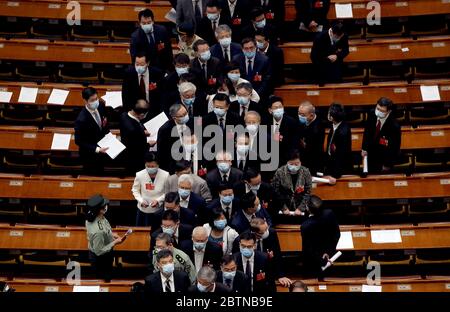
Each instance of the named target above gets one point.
<point>115,147</point>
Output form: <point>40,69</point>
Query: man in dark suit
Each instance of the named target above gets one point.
<point>153,40</point>
<point>227,202</point>
<point>312,136</point>
<point>225,50</point>
<point>312,13</point>
<point>238,12</point>
<point>259,22</point>
<point>167,279</point>
<point>206,282</point>
<point>171,225</point>
<point>91,126</point>
<point>255,67</point>
<point>193,98</point>
<point>201,251</point>
<point>382,137</point>
<point>275,55</point>
<point>329,49</point>
<point>190,11</point>
<point>134,136</point>
<point>244,104</point>
<point>224,173</point>
<point>255,265</point>
<point>172,202</point>
<point>191,200</point>
<point>320,235</point>
<point>142,81</point>
<point>244,158</point>
<point>232,278</point>
<point>208,24</point>
<point>339,143</point>
<point>206,67</point>
<point>250,209</point>
<point>274,11</point>
<point>170,133</point>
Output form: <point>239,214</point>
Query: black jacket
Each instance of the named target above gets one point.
<point>240,18</point>
<point>214,179</point>
<point>312,10</point>
<point>220,289</point>
<point>313,135</point>
<point>212,256</point>
<point>153,283</point>
<point>240,282</point>
<point>215,203</point>
<point>235,107</point>
<point>263,279</point>
<point>186,217</point>
<point>133,137</point>
<point>234,50</point>
<point>339,151</point>
<point>213,72</point>
<point>276,58</point>
<point>184,234</point>
<point>205,30</point>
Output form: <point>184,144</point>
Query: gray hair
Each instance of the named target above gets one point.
<point>186,178</point>
<point>254,113</point>
<point>166,238</point>
<point>199,230</point>
<point>174,108</point>
<point>245,85</point>
<point>224,155</point>
<point>207,273</point>
<point>187,86</point>
<point>223,28</point>
<point>309,106</point>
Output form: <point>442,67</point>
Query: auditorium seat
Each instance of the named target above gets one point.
<point>62,163</point>
<point>44,263</point>
<point>20,161</point>
<point>434,68</point>
<point>11,26</point>
<point>429,114</point>
<point>354,72</point>
<point>427,25</point>
<point>77,72</point>
<point>390,70</point>
<point>35,71</point>
<point>389,27</point>
<point>385,211</point>
<point>137,260</point>
<point>63,117</point>
<point>92,30</point>
<point>113,74</point>
<point>55,212</point>
<point>429,210</point>
<point>7,70</point>
<point>22,115</point>
<point>52,29</point>
<point>122,32</point>
<point>431,160</point>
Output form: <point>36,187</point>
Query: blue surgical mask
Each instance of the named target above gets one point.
<point>199,245</point>
<point>152,170</point>
<point>140,69</point>
<point>201,288</point>
<point>223,167</point>
<point>249,54</point>
<point>242,150</point>
<point>229,275</point>
<point>252,129</point>
<point>220,224</point>
<point>260,45</point>
<point>255,188</point>
<point>181,70</point>
<point>212,16</point>
<point>234,77</point>
<point>189,101</point>
<point>183,193</point>
<point>278,113</point>
<point>380,114</point>
<point>246,252</point>
<point>227,199</point>
<point>303,120</point>
<point>184,120</point>
<point>225,42</point>
<point>147,28</point>
<point>220,112</point>
<point>205,56</point>
<point>261,24</point>
<point>168,268</point>
<point>243,100</point>
<point>190,148</point>
<point>94,105</point>
<point>293,168</point>
<point>169,230</point>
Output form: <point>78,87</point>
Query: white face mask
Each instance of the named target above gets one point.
<point>380,114</point>
<point>252,129</point>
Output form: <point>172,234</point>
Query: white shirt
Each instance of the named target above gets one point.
<point>246,63</point>
<point>180,129</point>
<point>215,21</point>
<point>275,122</point>
<point>232,6</point>
<point>200,6</point>
<point>382,120</point>
<point>146,82</point>
<point>171,282</point>
<point>184,202</point>
<point>198,257</point>
<point>226,173</point>
<point>252,139</point>
<point>194,160</point>
<point>249,217</point>
<point>335,126</point>
<point>224,206</point>
<point>228,50</point>
<point>93,114</point>
<point>252,266</point>
<point>132,117</point>
<point>206,67</point>
<point>175,235</point>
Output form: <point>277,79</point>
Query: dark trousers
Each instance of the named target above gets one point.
<point>102,265</point>
<point>145,219</point>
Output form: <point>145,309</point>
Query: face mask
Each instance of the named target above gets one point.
<point>168,268</point>
<point>181,70</point>
<point>184,120</point>
<point>199,246</point>
<point>147,28</point>
<point>250,54</point>
<point>380,114</point>
<point>220,224</point>
<point>183,193</point>
<point>293,168</point>
<point>227,199</point>
<point>243,100</point>
<point>252,129</point>
<point>205,56</point>
<point>265,234</point>
<point>229,275</point>
<point>189,101</point>
<point>220,112</point>
<point>260,45</point>
<point>152,171</point>
<point>223,167</point>
<point>212,16</point>
<point>201,288</point>
<point>255,188</point>
<point>246,252</point>
<point>303,120</point>
<point>169,230</point>
<point>190,148</point>
<point>258,208</point>
<point>261,24</point>
<point>141,69</point>
<point>94,105</point>
<point>278,113</point>
<point>225,42</point>
<point>242,150</point>
<point>234,77</point>
<point>223,92</point>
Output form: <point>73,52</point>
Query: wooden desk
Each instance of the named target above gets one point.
<point>42,237</point>
<point>413,237</point>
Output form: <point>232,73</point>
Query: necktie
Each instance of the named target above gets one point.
<point>97,118</point>
<point>249,70</point>
<point>167,287</point>
<point>241,165</point>
<point>243,112</point>
<point>227,212</point>
<point>225,178</point>
<point>248,271</point>
<point>151,40</point>
<point>142,87</point>
<point>204,71</point>
<point>378,129</point>
<point>260,245</point>
<point>190,111</point>
<point>198,13</point>
<point>331,141</point>
<point>226,56</point>
<point>221,124</point>
<point>228,283</point>
<point>214,25</point>
<point>277,128</point>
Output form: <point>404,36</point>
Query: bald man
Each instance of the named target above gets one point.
<point>312,136</point>
<point>201,251</point>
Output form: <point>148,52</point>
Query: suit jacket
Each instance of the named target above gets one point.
<point>153,282</point>
<point>215,203</point>
<point>383,149</point>
<point>186,217</point>
<point>251,161</point>
<point>263,279</point>
<point>249,31</point>
<point>233,50</point>
<point>213,71</point>
<point>274,10</point>
<point>321,49</point>
<point>184,233</point>
<point>170,90</point>
<point>276,58</point>
<point>240,222</point>
<point>240,282</point>
<point>212,256</point>
<point>214,179</point>
<point>185,12</point>
<point>312,10</point>
<point>239,19</point>
<point>312,151</point>
<point>141,192</point>
<point>320,234</point>
<point>133,137</point>
<point>199,187</point>
<point>235,107</point>
<point>197,205</point>
<point>220,289</point>
<point>261,76</point>
<point>160,53</point>
<point>205,30</point>
<point>265,192</point>
<point>200,105</point>
<point>339,151</point>
<point>131,89</point>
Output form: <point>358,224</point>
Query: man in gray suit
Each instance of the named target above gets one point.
<point>190,11</point>
<point>199,186</point>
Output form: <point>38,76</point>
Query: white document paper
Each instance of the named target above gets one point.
<point>343,10</point>
<point>346,241</point>
<point>430,93</point>
<point>86,288</point>
<point>365,165</point>
<point>386,236</point>
<point>5,96</point>
<point>58,97</point>
<point>154,124</point>
<point>320,180</point>
<point>371,288</point>
<point>28,95</point>
<point>115,147</point>
<point>61,141</point>
<point>171,16</point>
<point>113,98</point>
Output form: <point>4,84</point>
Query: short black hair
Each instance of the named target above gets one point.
<point>138,109</point>
<point>213,3</point>
<point>249,174</point>
<point>227,259</point>
<point>294,154</point>
<point>248,200</point>
<point>257,11</point>
<point>215,213</point>
<point>182,165</point>
<point>188,77</point>
<point>222,97</point>
<point>337,111</point>
<point>263,33</point>
<point>181,58</point>
<point>150,157</point>
<point>146,13</point>
<point>163,253</point>
<point>247,236</point>
<point>274,99</point>
<point>141,53</point>
<point>315,204</point>
<point>88,92</point>
<point>224,186</point>
<point>386,102</point>
<point>172,197</point>
<point>198,43</point>
<point>231,66</point>
<point>247,40</point>
<point>170,215</point>
<point>338,28</point>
